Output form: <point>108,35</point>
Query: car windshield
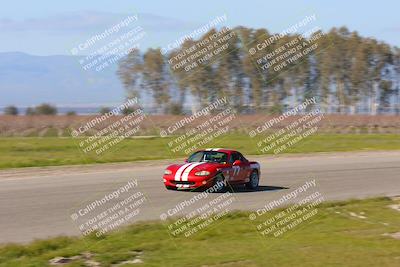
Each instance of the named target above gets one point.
<point>208,156</point>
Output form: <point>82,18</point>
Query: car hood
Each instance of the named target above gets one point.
<point>195,166</point>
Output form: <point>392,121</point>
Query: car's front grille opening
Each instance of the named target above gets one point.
<point>183,182</point>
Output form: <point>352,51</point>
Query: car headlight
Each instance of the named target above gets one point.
<point>167,172</point>
<point>202,173</point>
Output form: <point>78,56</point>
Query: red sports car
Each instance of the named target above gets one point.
<point>210,167</point>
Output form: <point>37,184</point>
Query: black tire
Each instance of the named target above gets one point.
<point>169,188</point>
<point>219,178</point>
<point>254,180</point>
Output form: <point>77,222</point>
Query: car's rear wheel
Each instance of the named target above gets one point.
<point>219,183</point>
<point>254,180</point>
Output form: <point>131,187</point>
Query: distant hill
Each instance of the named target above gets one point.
<point>29,80</point>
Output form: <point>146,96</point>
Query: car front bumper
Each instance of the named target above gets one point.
<point>196,182</point>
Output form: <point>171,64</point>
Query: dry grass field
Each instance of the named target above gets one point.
<point>61,125</point>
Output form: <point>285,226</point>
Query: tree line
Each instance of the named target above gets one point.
<point>42,109</point>
<point>48,109</point>
<point>348,74</point>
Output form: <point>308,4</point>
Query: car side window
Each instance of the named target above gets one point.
<point>234,156</point>
<point>242,158</point>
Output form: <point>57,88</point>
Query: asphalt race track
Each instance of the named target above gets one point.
<point>38,202</point>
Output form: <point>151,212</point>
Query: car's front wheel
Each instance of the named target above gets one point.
<point>254,180</point>
<point>219,183</point>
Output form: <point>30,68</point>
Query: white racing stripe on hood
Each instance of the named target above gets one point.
<point>180,170</point>
<point>189,169</point>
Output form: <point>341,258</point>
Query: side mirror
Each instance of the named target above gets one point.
<point>237,162</point>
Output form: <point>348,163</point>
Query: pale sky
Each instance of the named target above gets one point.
<point>48,27</point>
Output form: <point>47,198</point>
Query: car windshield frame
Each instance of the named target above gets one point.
<point>205,154</point>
